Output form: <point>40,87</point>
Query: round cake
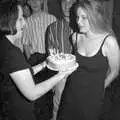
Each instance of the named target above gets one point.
<point>61,61</point>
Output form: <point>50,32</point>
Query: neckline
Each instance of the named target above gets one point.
<point>92,56</point>
<point>98,51</point>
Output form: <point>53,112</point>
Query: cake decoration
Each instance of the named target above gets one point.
<point>61,61</point>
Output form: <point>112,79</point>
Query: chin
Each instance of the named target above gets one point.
<point>83,31</point>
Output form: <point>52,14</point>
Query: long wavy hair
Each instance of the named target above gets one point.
<point>97,18</point>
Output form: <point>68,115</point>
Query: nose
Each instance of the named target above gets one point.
<point>80,21</point>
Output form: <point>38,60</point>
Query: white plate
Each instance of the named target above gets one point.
<point>75,66</point>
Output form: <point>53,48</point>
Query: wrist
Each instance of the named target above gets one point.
<point>43,64</point>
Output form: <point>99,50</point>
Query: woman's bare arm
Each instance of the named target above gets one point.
<point>25,83</point>
<point>112,51</point>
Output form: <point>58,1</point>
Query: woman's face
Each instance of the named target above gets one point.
<point>82,21</point>
<point>20,22</point>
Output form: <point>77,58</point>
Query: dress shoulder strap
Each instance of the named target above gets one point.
<point>105,39</point>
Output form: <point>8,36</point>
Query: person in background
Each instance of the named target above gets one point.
<point>33,39</point>
<point>17,87</point>
<point>98,55</point>
<point>58,37</point>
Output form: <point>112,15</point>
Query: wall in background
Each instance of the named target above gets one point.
<point>116,19</point>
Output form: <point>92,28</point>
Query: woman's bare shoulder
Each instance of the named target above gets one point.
<point>111,46</point>
<point>111,41</point>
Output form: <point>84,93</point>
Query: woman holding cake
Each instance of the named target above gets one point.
<point>97,52</point>
<point>17,86</point>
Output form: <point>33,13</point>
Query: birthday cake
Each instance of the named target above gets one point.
<point>61,61</point>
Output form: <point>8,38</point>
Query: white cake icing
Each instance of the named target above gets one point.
<point>61,61</point>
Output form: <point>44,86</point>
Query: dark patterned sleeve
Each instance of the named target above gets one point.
<point>14,61</point>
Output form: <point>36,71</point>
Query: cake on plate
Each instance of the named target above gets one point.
<point>61,61</point>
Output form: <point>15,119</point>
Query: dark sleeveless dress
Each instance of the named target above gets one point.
<point>83,95</point>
